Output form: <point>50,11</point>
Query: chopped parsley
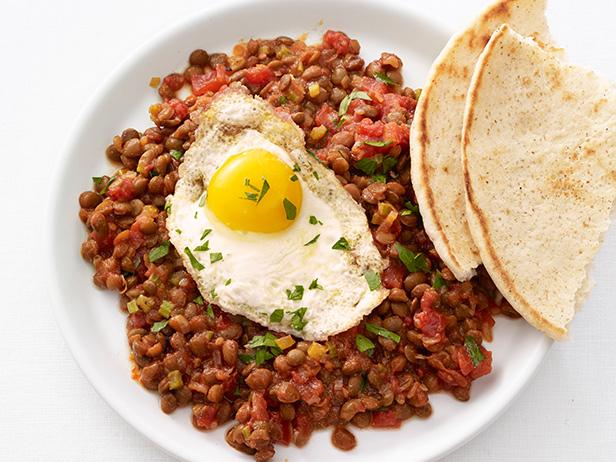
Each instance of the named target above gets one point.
<point>251,186</point>
<point>341,244</point>
<point>215,256</point>
<point>203,247</point>
<point>438,281</point>
<point>388,163</point>
<point>473,350</point>
<point>198,300</point>
<point>296,168</point>
<point>377,143</point>
<point>373,278</point>
<point>159,252</point>
<point>282,99</point>
<point>97,180</point>
<point>264,189</point>
<point>289,209</point>
<point>315,285</point>
<point>379,178</point>
<point>202,200</point>
<point>210,311</point>
<point>158,326</point>
<point>193,261</point>
<point>296,294</point>
<point>378,330</point>
<point>363,343</point>
<point>297,319</point>
<point>265,348</point>
<point>293,177</point>
<point>250,196</point>
<point>168,207</point>
<point>277,315</point>
<point>344,104</point>
<point>413,262</point>
<point>177,155</point>
<point>409,209</point>
<point>205,233</point>
<point>228,281</point>
<point>315,174</point>
<point>314,220</point>
<point>213,293</point>
<point>383,78</point>
<point>366,165</point>
<point>312,241</point>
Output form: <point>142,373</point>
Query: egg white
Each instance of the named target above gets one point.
<point>261,267</point>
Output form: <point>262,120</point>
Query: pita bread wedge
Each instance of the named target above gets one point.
<point>435,134</point>
<point>539,159</point>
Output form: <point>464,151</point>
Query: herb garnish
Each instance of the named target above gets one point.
<point>342,244</point>
<point>314,220</point>
<point>210,311</point>
<point>205,233</point>
<point>297,319</point>
<point>438,281</point>
<point>228,281</point>
<point>177,155</point>
<point>198,300</point>
<point>193,261</point>
<point>296,168</point>
<point>312,241</point>
<point>344,104</point>
<point>388,163</point>
<point>378,330</point>
<point>289,209</point>
<point>296,294</point>
<point>379,178</point>
<point>165,308</point>
<point>383,78</point>
<point>159,252</point>
<point>366,165</point>
<point>277,315</point>
<point>264,189</point>
<point>315,285</point>
<point>413,262</point>
<point>203,247</point>
<point>158,326</point>
<point>373,278</point>
<point>377,143</point>
<point>410,208</point>
<point>315,174</point>
<point>293,178</point>
<point>363,343</point>
<point>473,350</point>
<point>215,256</point>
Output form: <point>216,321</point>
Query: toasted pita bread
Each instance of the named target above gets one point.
<point>435,134</point>
<point>539,159</point>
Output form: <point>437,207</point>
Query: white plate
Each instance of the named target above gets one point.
<point>91,320</point>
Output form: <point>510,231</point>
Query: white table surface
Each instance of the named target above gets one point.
<point>53,55</point>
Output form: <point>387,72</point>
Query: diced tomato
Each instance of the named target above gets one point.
<point>375,89</point>
<point>136,236</point>
<point>466,363</point>
<point>311,391</point>
<point>326,116</point>
<point>211,81</point>
<point>122,190</point>
<point>104,241</point>
<point>395,102</point>
<point>286,429</point>
<point>428,320</point>
<point>396,134</point>
<point>385,419</point>
<point>259,75</point>
<point>179,107</point>
<point>174,81</point>
<point>369,130</point>
<point>206,418</point>
<point>222,319</point>
<point>258,407</point>
<point>339,41</point>
<point>393,276</point>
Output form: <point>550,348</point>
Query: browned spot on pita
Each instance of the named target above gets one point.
<point>589,151</point>
<point>526,81</point>
<point>598,104</point>
<point>568,96</point>
<point>554,77</point>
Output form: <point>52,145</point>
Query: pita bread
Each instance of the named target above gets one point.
<point>435,133</point>
<point>539,159</point>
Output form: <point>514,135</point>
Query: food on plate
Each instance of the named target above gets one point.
<point>435,134</point>
<point>539,147</point>
<point>243,217</point>
<point>428,335</point>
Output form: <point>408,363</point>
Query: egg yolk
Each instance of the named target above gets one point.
<point>255,191</point>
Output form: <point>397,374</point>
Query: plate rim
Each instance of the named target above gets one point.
<point>55,205</point>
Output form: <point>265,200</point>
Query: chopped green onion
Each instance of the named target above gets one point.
<point>215,256</point>
<point>213,293</point>
<point>341,121</point>
<point>205,233</point>
<point>158,326</point>
<point>378,330</point>
<point>314,220</point>
<point>413,262</point>
<point>289,209</point>
<point>366,165</point>
<point>264,189</point>
<point>202,200</point>
<point>277,315</point>
<point>315,285</point>
<point>473,350</point>
<point>175,380</point>
<point>132,306</point>
<point>228,281</point>
<point>384,78</point>
<point>373,278</point>
<point>341,244</point>
<point>363,343</point>
<point>296,168</point>
<point>313,240</point>
<point>159,252</point>
<point>377,143</point>
<point>344,104</point>
<point>179,231</point>
<point>106,187</point>
<point>203,247</point>
<point>177,155</point>
<point>168,207</point>
<point>165,308</point>
<point>193,261</point>
<point>210,311</point>
<point>198,300</point>
<point>297,319</point>
<point>315,174</point>
<point>296,294</point>
<point>438,281</point>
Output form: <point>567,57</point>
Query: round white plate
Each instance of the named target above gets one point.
<point>90,318</point>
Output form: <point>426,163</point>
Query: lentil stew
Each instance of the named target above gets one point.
<point>275,389</point>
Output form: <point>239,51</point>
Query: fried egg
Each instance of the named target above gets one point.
<point>268,232</point>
